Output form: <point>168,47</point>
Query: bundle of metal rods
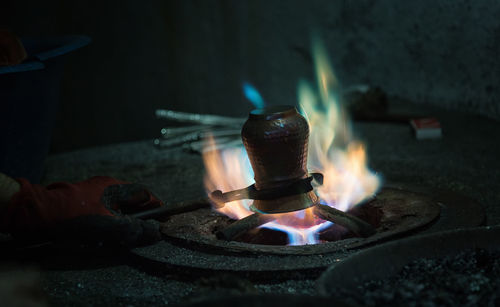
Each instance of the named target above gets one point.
<point>200,127</point>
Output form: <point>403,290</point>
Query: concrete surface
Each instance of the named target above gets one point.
<point>465,160</point>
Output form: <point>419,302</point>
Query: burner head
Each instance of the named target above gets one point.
<point>276,140</point>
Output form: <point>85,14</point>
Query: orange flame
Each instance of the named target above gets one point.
<point>228,170</point>
<point>333,151</point>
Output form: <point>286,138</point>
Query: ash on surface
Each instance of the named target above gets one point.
<point>470,278</point>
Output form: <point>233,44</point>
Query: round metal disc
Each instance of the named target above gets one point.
<point>190,241</point>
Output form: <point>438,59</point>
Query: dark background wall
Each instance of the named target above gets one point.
<point>193,55</point>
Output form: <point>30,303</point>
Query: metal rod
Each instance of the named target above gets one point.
<point>196,136</point>
<point>221,144</point>
<point>300,186</point>
<point>352,223</point>
<point>175,141</point>
<point>168,132</point>
<point>205,119</point>
<point>204,133</point>
<point>172,209</point>
<point>240,227</point>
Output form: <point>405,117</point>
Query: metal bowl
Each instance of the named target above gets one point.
<point>386,260</point>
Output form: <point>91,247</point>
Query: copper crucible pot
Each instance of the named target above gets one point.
<point>276,141</point>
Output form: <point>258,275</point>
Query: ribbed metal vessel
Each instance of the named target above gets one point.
<point>276,140</point>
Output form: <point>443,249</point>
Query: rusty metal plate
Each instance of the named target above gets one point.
<point>194,250</point>
<point>400,212</point>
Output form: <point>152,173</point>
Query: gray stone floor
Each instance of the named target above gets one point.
<point>465,160</point>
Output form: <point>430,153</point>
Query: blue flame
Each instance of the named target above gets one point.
<point>253,95</point>
<point>299,236</point>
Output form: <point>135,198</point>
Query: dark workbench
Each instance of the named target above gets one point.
<point>465,160</point>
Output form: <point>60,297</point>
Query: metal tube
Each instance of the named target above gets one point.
<point>205,119</point>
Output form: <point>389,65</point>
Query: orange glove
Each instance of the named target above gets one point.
<point>36,209</point>
<point>12,51</point>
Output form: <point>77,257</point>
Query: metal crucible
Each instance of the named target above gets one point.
<point>276,141</point>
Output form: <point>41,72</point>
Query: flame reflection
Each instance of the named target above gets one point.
<point>333,151</point>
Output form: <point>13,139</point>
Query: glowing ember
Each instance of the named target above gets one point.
<point>333,151</point>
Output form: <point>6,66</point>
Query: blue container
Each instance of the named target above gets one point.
<point>29,96</point>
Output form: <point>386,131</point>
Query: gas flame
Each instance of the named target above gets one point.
<point>228,170</point>
<point>253,95</point>
<point>333,151</point>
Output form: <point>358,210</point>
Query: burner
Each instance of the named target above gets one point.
<point>191,243</point>
<point>391,213</point>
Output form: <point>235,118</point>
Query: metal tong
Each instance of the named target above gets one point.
<point>250,192</point>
